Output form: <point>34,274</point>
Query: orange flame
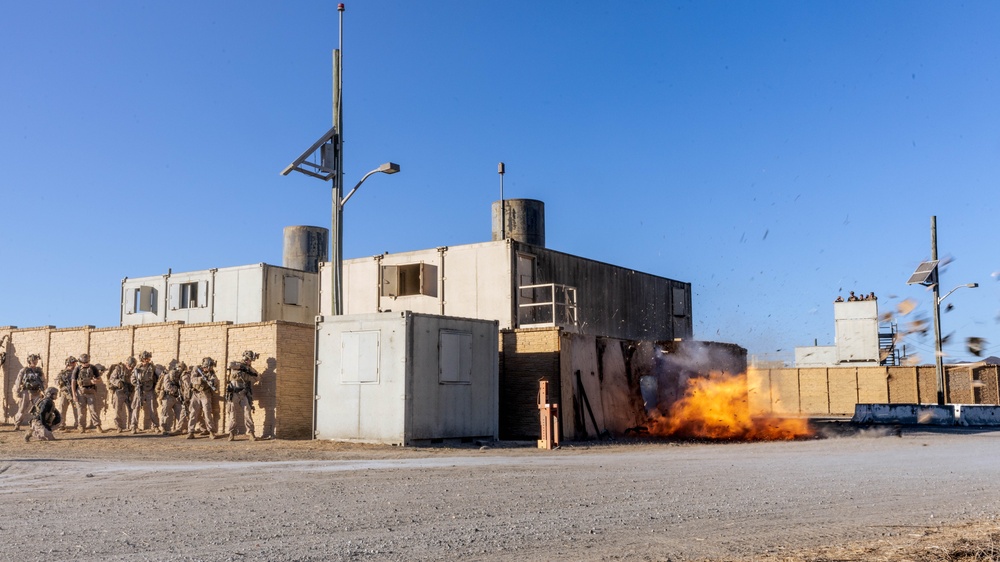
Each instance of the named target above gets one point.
<point>716,407</point>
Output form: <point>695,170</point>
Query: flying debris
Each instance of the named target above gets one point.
<point>975,345</point>
<point>906,306</point>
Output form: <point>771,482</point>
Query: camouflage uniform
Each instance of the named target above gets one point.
<point>28,389</point>
<point>144,400</point>
<point>84,381</point>
<point>204,384</point>
<point>120,389</point>
<point>44,416</point>
<point>65,399</point>
<point>168,389</point>
<point>239,394</point>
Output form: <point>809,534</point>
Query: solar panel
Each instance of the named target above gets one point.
<point>926,274</point>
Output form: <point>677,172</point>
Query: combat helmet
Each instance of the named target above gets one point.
<point>145,355</point>
<point>207,363</point>
<point>249,355</point>
<point>51,391</point>
<point>70,360</point>
<point>34,357</point>
<point>84,358</point>
<point>130,362</point>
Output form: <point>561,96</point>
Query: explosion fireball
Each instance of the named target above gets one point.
<point>717,407</point>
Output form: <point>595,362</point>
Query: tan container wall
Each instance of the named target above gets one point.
<point>843,390</point>
<point>759,391</point>
<point>873,385</point>
<point>903,385</point>
<point>785,391</point>
<point>814,392</point>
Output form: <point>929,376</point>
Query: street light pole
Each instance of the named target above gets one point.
<point>329,150</point>
<point>938,353</point>
<point>338,261</point>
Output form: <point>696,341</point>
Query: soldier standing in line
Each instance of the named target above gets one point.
<point>120,389</point>
<point>144,380</point>
<point>84,384</point>
<point>27,389</point>
<point>204,385</point>
<point>239,394</point>
<point>168,389</point>
<point>64,381</point>
<point>44,416</point>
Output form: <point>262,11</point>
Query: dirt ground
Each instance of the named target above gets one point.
<point>890,495</point>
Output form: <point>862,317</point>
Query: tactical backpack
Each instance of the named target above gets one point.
<point>32,381</point>
<point>53,417</point>
<point>86,376</point>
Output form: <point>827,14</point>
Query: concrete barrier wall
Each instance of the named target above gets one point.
<point>836,390</point>
<point>282,396</point>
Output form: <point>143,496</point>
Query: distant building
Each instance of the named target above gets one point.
<point>243,294</point>
<point>860,340</point>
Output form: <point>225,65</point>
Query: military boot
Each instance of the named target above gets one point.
<point>27,436</point>
<point>190,436</point>
<point>17,427</point>
<point>211,436</point>
<point>232,436</point>
<point>254,437</point>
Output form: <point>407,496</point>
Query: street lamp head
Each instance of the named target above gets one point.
<point>389,168</point>
<point>972,285</point>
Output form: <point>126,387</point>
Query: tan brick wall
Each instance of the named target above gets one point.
<point>785,391</point>
<point>261,338</point>
<point>158,339</point>
<point>903,385</point>
<point>759,391</point>
<point>529,355</point>
<point>22,343</point>
<point>873,385</point>
<point>197,341</point>
<point>111,345</point>
<point>814,394</point>
<point>63,343</point>
<point>294,373</point>
<point>843,383</point>
<point>170,341</point>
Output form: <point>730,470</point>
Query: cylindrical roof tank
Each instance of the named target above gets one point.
<point>525,221</point>
<point>305,247</point>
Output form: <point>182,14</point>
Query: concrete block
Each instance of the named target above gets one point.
<point>906,414</point>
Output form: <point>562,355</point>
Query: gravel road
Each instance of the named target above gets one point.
<point>147,497</point>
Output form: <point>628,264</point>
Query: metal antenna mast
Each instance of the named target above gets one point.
<point>503,206</point>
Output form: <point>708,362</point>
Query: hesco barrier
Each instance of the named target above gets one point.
<point>834,391</point>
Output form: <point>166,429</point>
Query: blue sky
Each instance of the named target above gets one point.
<point>773,154</point>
